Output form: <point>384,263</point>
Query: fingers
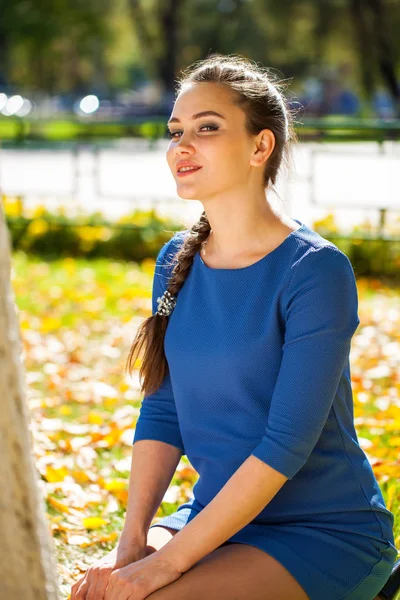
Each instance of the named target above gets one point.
<point>79,589</point>
<point>122,587</point>
<point>98,581</point>
<point>98,589</point>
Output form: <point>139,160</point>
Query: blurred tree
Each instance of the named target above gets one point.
<point>365,48</point>
<point>77,45</point>
<point>174,34</point>
<point>156,26</point>
<point>50,44</point>
<point>312,34</point>
<point>6,37</point>
<point>385,48</point>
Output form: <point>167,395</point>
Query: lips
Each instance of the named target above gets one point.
<point>186,163</point>
<point>187,169</point>
<point>188,172</point>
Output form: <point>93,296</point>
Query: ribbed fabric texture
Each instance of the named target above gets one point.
<point>259,365</point>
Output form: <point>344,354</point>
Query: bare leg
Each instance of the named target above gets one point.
<point>234,572</point>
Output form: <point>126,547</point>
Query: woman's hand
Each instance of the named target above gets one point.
<point>140,579</point>
<point>92,585</point>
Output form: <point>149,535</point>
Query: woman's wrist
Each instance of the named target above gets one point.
<point>131,536</point>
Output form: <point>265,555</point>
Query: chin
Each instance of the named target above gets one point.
<point>186,194</point>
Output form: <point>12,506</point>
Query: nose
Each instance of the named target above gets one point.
<point>184,145</point>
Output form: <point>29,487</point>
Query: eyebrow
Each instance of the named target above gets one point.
<point>204,113</point>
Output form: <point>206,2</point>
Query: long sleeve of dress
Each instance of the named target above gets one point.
<point>321,317</point>
<point>158,419</point>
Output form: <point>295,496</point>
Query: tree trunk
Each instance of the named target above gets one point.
<point>167,62</point>
<point>160,44</point>
<point>27,570</point>
<point>366,57</point>
<point>385,50</point>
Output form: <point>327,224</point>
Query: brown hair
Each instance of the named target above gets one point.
<point>258,92</point>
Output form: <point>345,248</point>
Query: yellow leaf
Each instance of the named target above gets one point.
<point>52,474</point>
<point>50,324</point>
<point>95,419</point>
<point>122,496</point>
<point>115,485</point>
<point>110,402</point>
<point>106,538</point>
<point>94,522</point>
<point>58,505</point>
<point>81,476</point>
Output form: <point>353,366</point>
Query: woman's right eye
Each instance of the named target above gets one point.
<point>172,134</point>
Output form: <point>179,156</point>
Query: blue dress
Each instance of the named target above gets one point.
<point>258,363</point>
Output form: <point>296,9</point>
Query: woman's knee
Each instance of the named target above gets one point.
<point>157,537</point>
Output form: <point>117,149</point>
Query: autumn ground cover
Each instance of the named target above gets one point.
<point>77,320</point>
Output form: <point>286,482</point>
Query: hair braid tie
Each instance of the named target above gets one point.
<point>166,304</point>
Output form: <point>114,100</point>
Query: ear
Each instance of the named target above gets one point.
<point>264,146</point>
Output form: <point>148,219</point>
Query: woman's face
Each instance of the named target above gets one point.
<point>220,145</point>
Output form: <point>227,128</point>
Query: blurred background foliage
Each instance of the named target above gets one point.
<point>86,46</point>
<point>140,234</point>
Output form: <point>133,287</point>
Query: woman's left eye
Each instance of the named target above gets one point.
<point>172,134</point>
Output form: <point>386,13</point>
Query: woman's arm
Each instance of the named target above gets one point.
<point>153,466</point>
<point>241,499</point>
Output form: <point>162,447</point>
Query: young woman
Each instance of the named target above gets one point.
<point>246,371</point>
